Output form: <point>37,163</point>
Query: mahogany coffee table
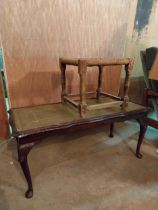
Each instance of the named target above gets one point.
<point>31,124</point>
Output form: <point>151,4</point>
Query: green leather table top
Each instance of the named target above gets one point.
<point>55,114</point>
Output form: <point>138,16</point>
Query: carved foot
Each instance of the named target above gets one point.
<point>143,127</point>
<point>29,193</point>
<point>139,155</point>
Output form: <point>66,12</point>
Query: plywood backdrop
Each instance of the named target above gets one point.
<point>35,33</point>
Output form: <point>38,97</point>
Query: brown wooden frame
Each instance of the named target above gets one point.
<point>82,64</point>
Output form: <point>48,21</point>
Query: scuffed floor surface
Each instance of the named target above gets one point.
<point>84,171</point>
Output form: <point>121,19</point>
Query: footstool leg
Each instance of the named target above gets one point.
<point>23,151</point>
<point>111,130</point>
<point>143,128</point>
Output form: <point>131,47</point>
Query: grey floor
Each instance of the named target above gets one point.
<point>84,171</point>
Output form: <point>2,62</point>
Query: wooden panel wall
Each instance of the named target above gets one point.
<point>35,33</point>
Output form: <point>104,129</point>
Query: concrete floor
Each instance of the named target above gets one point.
<point>84,171</point>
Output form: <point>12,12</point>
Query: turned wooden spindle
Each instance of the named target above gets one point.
<point>128,68</point>
<point>99,81</point>
<point>82,68</point>
<point>63,81</point>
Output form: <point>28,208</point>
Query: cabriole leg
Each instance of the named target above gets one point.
<point>143,128</point>
<point>23,151</point>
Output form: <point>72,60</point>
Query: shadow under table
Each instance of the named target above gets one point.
<point>31,124</point>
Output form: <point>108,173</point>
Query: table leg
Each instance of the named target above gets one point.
<point>111,130</point>
<point>82,69</point>
<point>143,128</point>
<point>99,81</point>
<point>23,151</point>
